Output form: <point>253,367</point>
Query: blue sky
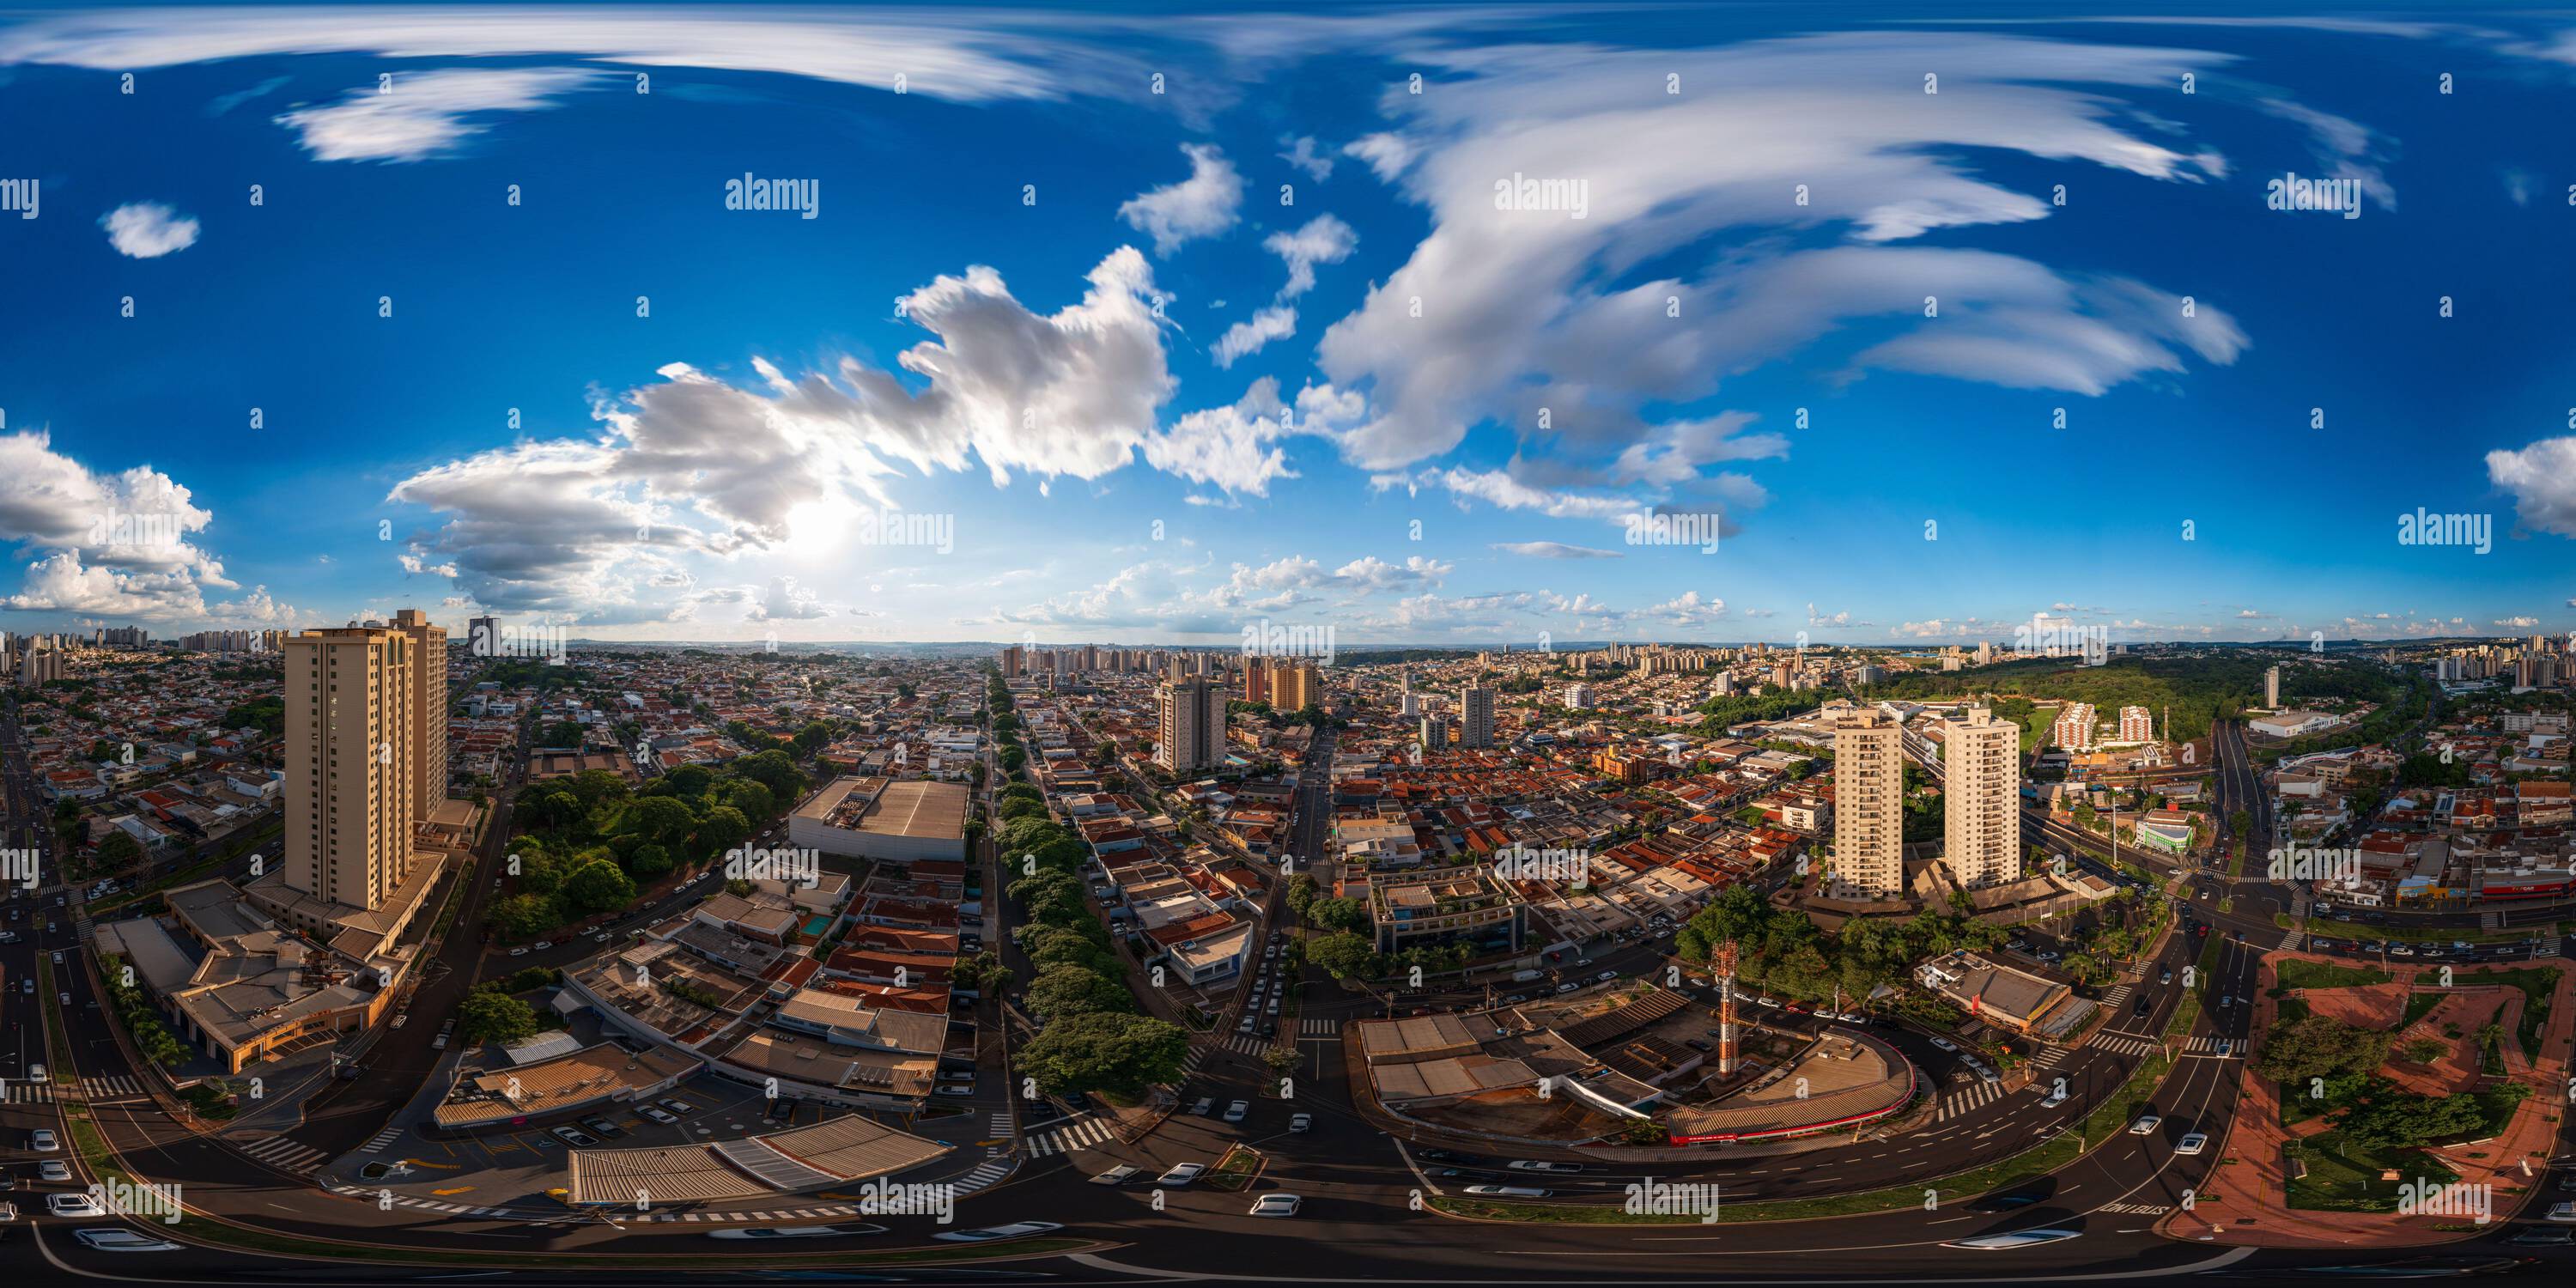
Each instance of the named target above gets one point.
<point>1062,357</point>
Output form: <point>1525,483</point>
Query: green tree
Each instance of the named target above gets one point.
<point>1340,913</point>
<point>118,850</point>
<point>1123,1054</point>
<point>1344,956</point>
<point>488,1016</point>
<point>724,829</point>
<point>663,820</point>
<point>1065,990</point>
<point>2317,1046</point>
<point>522,916</point>
<point>1050,896</point>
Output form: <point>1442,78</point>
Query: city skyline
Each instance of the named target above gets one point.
<point>1188,326</point>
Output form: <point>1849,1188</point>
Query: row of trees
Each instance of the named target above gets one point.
<point>153,1038</point>
<point>1095,1038</point>
<point>592,842</point>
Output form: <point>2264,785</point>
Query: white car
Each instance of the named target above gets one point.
<point>996,1233</point>
<point>1944,1044</point>
<point>1275,1205</point>
<point>1181,1174</point>
<point>2015,1239</point>
<point>2146,1125</point>
<point>42,1140</point>
<point>53,1169</point>
<point>2191,1144</point>
<point>73,1205</point>
<point>657,1115</point>
<point>1234,1112</point>
<point>1508,1192</point>
<point>1541,1165</point>
<point>541,945</point>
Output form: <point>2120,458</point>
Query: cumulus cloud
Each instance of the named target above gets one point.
<point>2542,480</point>
<point>425,114</point>
<point>1203,205</point>
<point>1301,153</point>
<point>111,544</point>
<point>148,230</point>
<point>1248,336</point>
<point>1323,240</point>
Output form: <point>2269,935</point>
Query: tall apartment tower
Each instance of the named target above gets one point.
<point>1981,799</point>
<point>1192,727</point>
<point>2272,687</point>
<point>1295,686</point>
<point>429,700</point>
<point>1869,803</point>
<point>352,784</point>
<point>1475,716</point>
<point>1256,679</point>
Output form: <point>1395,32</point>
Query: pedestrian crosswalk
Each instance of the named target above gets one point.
<point>2124,1044</point>
<point>1081,1133</point>
<point>286,1155</point>
<point>1320,1028</point>
<point>2117,997</point>
<point>376,1143</point>
<point>103,1087</point>
<point>1198,1056</point>
<point>1000,1123</point>
<point>991,1171</point>
<point>1961,1101</point>
<point>2050,1057</point>
<point>1249,1044</point>
<point>2229,1047</point>
<point>2293,940</point>
<point>2549,944</point>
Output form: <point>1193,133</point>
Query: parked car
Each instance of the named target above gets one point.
<point>603,1127</point>
<point>1118,1175</point>
<point>680,1107</point>
<point>1181,1174</point>
<point>656,1114</point>
<point>1561,989</point>
<point>1234,1113</point>
<point>571,1135</point>
<point>1205,1106</point>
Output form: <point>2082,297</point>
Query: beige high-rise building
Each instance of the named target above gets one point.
<point>1475,716</point>
<point>429,702</point>
<point>1192,724</point>
<point>353,775</point>
<point>1869,803</point>
<point>1981,799</point>
<point>1295,687</point>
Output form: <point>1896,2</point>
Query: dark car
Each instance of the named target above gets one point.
<point>1436,1155</point>
<point>2003,1202</point>
<point>601,1126</point>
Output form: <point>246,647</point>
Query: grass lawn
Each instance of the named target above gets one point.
<point>2290,1008</point>
<point>2344,1177</point>
<point>2330,928</point>
<point>2536,983</point>
<point>2302,974</point>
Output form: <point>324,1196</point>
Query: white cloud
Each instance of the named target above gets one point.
<point>1389,154</point>
<point>1203,205</point>
<point>1247,337</point>
<point>1233,447</point>
<point>111,544</point>
<point>424,114</point>
<point>1323,240</point>
<point>1301,153</point>
<point>2342,144</point>
<point>1512,311</point>
<point>2542,479</point>
<point>2518,623</point>
<point>148,230</point>
<point>1554,550</point>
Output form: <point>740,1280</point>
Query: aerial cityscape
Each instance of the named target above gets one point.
<point>1154,643</point>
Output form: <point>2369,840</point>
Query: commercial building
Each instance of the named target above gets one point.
<point>1869,804</point>
<point>1427,909</point>
<point>878,818</point>
<point>1981,799</point>
<point>2291,724</point>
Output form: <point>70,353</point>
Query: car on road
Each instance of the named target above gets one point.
<point>1561,988</point>
<point>2056,1096</point>
<point>1508,1192</point>
<point>2562,1213</point>
<point>1301,1122</point>
<point>541,945</point>
<point>2003,1202</point>
<point>1181,1174</point>
<point>1606,976</point>
<point>63,1205</point>
<point>1235,1111</point>
<point>1275,1205</point>
<point>1445,1156</point>
<point>1516,999</point>
<point>42,1141</point>
<point>1542,1165</point>
<point>997,1233</point>
<point>797,1231</point>
<point>2191,1144</point>
<point>1118,1175</point>
<point>519,952</point>
<point>2541,1236</point>
<point>115,1240</point>
<point>2145,1125</point>
<point>957,1090</point>
<point>53,1169</point>
<point>1944,1044</point>
<point>657,1114</point>
<point>2011,1240</point>
<point>402,1019</point>
<point>571,1135</point>
<point>1206,1105</point>
<point>2400,950</point>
